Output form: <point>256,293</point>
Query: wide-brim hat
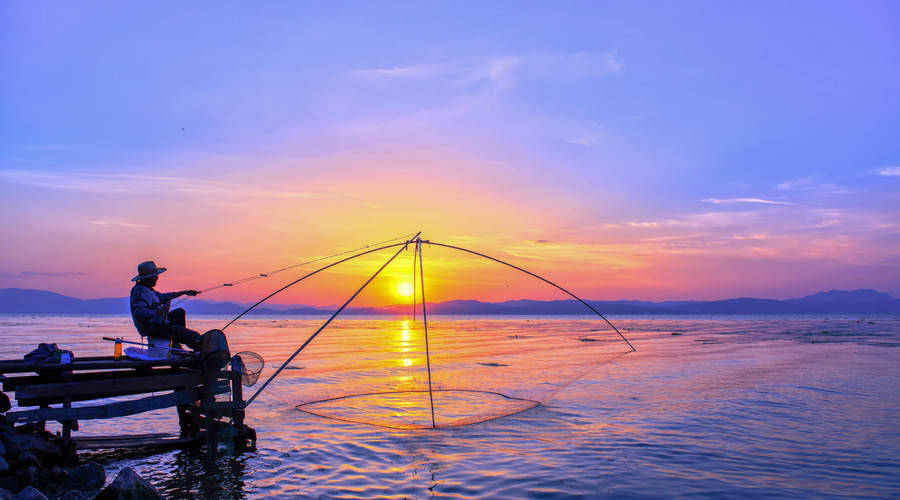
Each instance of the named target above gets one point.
<point>148,270</point>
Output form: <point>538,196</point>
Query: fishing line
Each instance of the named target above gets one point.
<point>302,406</point>
<point>311,337</point>
<point>268,274</point>
<point>538,277</point>
<point>298,280</point>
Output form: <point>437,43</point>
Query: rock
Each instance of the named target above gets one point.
<point>75,495</point>
<point>5,494</point>
<point>27,458</point>
<point>9,483</point>
<point>3,466</point>
<point>16,443</point>
<point>86,477</point>
<point>28,476</point>
<point>57,474</point>
<point>30,493</point>
<point>128,485</point>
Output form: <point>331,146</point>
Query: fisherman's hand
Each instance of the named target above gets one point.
<point>192,293</point>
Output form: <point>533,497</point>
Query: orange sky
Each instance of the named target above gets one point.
<point>207,232</point>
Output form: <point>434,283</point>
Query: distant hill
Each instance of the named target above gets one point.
<point>18,300</point>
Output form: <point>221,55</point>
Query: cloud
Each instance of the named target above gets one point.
<point>830,235</point>
<point>591,135</point>
<point>414,71</point>
<point>116,223</point>
<point>795,184</point>
<point>109,183</point>
<point>890,171</point>
<point>500,71</point>
<point>472,85</point>
<point>720,201</point>
<point>41,274</point>
<point>809,183</point>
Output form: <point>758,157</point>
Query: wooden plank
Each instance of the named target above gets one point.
<point>97,389</point>
<point>11,383</point>
<point>89,364</point>
<point>109,410</point>
<point>152,435</point>
<point>5,362</point>
<point>136,441</point>
<point>90,397</point>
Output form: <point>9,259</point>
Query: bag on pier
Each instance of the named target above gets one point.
<point>48,353</point>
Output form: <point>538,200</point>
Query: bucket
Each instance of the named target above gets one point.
<point>214,353</point>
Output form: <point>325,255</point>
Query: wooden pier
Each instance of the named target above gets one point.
<point>191,383</point>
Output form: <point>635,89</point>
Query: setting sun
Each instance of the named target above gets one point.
<point>405,289</point>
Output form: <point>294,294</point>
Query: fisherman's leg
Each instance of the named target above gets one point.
<point>177,317</point>
<point>185,336</point>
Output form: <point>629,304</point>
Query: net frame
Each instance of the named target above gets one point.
<point>418,252</point>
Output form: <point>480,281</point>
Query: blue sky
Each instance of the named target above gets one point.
<point>753,144</point>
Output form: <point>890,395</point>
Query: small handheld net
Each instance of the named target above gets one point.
<point>249,364</point>
<point>409,374</point>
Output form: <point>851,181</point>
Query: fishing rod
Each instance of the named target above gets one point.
<point>298,280</point>
<point>311,337</point>
<point>425,325</point>
<point>267,274</point>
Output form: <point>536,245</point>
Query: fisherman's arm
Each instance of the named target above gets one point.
<point>166,297</point>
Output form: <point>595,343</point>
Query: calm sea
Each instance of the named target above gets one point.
<point>773,407</point>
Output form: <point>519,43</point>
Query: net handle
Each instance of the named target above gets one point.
<point>324,325</point>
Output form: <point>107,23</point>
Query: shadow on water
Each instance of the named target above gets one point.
<point>200,474</point>
<point>192,472</point>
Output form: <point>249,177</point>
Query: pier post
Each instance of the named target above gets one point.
<point>237,399</point>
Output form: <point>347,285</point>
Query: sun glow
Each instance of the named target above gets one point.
<point>405,289</point>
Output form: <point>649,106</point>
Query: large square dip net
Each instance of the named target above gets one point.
<point>418,370</point>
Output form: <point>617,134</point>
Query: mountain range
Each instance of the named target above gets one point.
<point>863,301</point>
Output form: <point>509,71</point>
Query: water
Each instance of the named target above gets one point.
<point>717,407</point>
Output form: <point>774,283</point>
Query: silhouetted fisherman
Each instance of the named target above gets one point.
<point>150,311</point>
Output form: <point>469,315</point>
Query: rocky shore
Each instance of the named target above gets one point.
<point>36,464</point>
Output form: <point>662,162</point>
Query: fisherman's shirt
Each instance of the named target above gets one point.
<point>146,309</point>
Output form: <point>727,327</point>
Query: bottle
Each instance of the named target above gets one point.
<point>117,352</point>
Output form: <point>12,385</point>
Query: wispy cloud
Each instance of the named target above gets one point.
<point>471,85</point>
<point>413,71</point>
<point>890,171</point>
<point>825,234</point>
<point>801,183</point>
<point>41,274</point>
<point>499,70</point>
<point>726,201</point>
<point>116,223</point>
<point>109,183</point>
<point>591,134</point>
<point>811,183</point>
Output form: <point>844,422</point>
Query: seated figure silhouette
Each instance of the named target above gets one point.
<point>151,315</point>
